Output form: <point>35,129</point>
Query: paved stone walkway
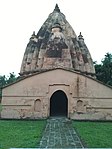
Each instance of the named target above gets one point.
<point>59,133</point>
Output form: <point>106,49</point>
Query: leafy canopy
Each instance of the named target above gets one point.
<point>6,80</point>
<point>104,70</point>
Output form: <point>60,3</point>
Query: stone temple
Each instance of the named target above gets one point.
<point>57,77</point>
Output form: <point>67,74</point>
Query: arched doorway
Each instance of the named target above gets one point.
<point>58,104</point>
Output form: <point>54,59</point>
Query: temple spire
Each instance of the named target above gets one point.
<point>55,46</point>
<point>57,8</point>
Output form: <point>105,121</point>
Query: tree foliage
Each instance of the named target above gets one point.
<point>104,70</point>
<point>6,80</point>
<point>12,77</point>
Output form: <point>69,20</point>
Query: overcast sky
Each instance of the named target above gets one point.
<point>19,18</point>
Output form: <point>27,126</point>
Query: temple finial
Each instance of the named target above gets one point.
<point>33,36</point>
<point>33,33</point>
<point>57,8</point>
<point>80,36</point>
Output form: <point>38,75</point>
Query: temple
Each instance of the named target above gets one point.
<point>56,46</point>
<point>57,77</point>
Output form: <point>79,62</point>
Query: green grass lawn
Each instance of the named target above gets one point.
<point>17,133</point>
<point>95,134</point>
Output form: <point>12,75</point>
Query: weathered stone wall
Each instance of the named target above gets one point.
<point>56,45</point>
<point>30,97</point>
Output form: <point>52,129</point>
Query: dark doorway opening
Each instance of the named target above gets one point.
<point>58,104</point>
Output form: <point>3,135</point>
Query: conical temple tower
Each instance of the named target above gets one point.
<point>56,46</point>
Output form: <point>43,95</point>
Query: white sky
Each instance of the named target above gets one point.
<point>19,18</point>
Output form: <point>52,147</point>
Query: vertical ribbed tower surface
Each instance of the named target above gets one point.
<point>56,46</point>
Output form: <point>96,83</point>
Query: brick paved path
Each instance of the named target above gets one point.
<point>59,133</point>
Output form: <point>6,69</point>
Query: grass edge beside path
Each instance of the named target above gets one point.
<point>94,134</point>
<point>21,134</point>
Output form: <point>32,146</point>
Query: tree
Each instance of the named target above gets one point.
<point>12,77</point>
<point>104,70</point>
<point>2,83</point>
<point>6,80</point>
<point>3,80</point>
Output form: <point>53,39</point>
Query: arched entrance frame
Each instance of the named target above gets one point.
<point>59,104</point>
<point>62,87</point>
